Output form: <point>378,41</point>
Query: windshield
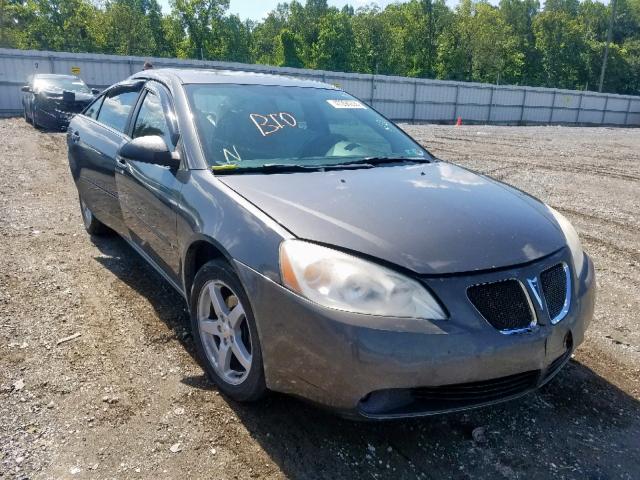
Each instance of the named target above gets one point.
<point>253,126</point>
<point>73,84</point>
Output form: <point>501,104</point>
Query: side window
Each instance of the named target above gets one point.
<point>94,108</point>
<point>151,120</point>
<point>115,110</point>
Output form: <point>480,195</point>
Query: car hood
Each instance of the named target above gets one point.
<point>433,218</point>
<point>57,94</point>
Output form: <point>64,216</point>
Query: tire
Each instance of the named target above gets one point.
<point>241,372</point>
<point>34,120</point>
<point>92,225</point>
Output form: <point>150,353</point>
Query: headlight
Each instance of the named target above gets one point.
<point>573,241</point>
<point>336,280</point>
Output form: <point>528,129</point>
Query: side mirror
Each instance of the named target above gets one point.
<point>26,89</point>
<point>149,149</point>
<point>95,91</point>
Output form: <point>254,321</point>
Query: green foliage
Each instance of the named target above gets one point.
<point>369,40</point>
<point>561,41</point>
<point>519,15</point>
<point>125,30</point>
<point>570,7</point>
<point>55,25</point>
<point>266,46</point>
<point>515,42</point>
<point>631,55</point>
<point>202,22</point>
<point>332,50</point>
<point>480,46</point>
<point>288,49</point>
<point>233,40</point>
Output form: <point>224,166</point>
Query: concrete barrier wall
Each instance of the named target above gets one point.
<point>399,98</point>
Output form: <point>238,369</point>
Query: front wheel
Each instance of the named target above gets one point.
<point>225,334</point>
<point>34,117</point>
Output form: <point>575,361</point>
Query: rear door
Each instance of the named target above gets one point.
<point>149,194</point>
<point>94,139</point>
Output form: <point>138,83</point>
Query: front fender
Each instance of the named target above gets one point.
<point>211,212</point>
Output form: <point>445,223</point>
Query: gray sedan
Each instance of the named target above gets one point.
<point>325,254</point>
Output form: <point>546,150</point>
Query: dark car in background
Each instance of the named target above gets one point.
<point>323,252</point>
<point>50,100</point>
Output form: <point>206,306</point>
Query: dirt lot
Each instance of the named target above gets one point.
<point>126,399</point>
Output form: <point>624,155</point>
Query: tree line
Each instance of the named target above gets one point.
<point>516,42</point>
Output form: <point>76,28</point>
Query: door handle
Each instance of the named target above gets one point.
<point>75,137</point>
<point>121,164</point>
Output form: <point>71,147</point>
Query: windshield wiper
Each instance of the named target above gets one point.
<point>381,160</point>
<point>287,168</point>
<point>367,162</point>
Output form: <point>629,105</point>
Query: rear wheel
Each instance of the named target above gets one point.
<point>92,225</point>
<point>225,333</point>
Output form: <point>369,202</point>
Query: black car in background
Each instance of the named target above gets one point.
<point>49,101</point>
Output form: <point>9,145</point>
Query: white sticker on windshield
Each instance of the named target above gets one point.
<point>346,104</point>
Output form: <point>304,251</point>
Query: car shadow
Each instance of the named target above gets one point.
<point>578,426</point>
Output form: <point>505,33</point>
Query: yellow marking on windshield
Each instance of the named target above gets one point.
<point>229,166</point>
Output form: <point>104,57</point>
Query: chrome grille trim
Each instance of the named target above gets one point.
<point>534,315</point>
<point>513,331</point>
<point>567,296</point>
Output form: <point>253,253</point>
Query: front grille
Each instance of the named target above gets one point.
<point>504,304</point>
<point>554,286</point>
<point>460,396</point>
<point>71,106</point>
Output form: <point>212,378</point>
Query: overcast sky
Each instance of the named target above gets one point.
<point>258,9</point>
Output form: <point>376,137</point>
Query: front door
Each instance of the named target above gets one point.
<point>149,194</point>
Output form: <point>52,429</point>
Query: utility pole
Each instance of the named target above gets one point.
<point>606,47</point>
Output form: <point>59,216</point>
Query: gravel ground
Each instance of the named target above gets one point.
<point>122,396</point>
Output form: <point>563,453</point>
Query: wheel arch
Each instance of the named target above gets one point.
<point>201,250</point>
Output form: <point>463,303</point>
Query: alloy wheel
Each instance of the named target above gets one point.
<point>224,331</point>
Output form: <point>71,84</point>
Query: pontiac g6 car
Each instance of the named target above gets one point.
<point>324,253</point>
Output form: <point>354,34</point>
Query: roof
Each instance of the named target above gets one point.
<point>190,76</point>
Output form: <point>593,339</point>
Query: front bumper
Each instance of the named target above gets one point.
<point>380,367</point>
<point>52,120</point>
<point>56,117</point>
